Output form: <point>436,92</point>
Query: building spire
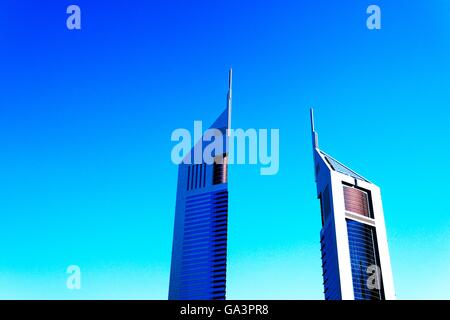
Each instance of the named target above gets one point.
<point>229,98</point>
<point>315,137</point>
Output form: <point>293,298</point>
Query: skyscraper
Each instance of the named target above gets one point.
<point>355,255</point>
<point>199,253</point>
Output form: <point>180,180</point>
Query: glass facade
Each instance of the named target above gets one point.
<point>203,263</point>
<point>220,174</point>
<point>364,257</point>
<point>357,201</point>
<point>339,167</point>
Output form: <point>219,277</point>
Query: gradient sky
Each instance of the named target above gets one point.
<point>86,118</point>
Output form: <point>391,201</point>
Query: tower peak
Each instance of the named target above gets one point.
<point>315,136</point>
<point>229,98</point>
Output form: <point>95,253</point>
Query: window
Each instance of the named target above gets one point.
<point>325,204</point>
<point>364,255</point>
<point>220,174</point>
<point>196,176</point>
<point>357,201</point>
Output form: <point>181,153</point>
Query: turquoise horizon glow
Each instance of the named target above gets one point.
<point>86,119</point>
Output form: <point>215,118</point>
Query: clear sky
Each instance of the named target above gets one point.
<point>86,118</point>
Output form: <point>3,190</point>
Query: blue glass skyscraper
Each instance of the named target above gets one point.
<point>355,256</point>
<point>199,253</point>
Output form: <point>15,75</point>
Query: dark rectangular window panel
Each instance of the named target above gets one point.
<point>325,204</point>
<point>357,201</point>
<point>364,254</point>
<point>220,174</point>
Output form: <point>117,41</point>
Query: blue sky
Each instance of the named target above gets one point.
<point>86,118</point>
